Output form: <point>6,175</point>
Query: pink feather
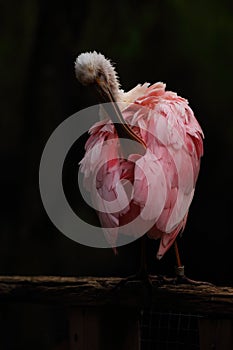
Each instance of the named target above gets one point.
<point>156,188</point>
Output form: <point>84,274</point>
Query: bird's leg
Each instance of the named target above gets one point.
<point>180,275</point>
<point>142,274</point>
<point>179,268</point>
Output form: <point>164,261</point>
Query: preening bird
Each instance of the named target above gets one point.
<point>153,183</point>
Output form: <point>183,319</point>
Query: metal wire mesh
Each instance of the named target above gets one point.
<point>166,331</point>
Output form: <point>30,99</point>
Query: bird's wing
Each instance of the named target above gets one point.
<point>168,126</point>
<point>150,190</point>
<point>101,167</point>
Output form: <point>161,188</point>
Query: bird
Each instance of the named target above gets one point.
<point>145,186</point>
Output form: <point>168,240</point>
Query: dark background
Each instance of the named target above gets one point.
<point>187,45</point>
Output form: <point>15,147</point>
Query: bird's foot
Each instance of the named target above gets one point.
<point>139,277</point>
<point>158,280</point>
<point>181,279</point>
<point>186,280</point>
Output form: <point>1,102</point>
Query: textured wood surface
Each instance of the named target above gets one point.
<point>100,291</point>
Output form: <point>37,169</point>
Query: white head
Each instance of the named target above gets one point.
<point>92,68</point>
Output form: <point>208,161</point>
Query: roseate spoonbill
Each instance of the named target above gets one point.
<point>165,167</point>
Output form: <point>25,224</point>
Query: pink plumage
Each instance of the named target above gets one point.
<point>151,192</point>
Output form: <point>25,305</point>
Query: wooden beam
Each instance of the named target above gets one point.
<point>99,291</point>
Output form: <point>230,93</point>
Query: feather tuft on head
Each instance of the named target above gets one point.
<point>89,66</point>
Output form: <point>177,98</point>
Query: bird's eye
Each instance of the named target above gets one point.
<point>101,76</point>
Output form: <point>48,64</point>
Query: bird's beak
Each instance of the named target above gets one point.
<point>106,96</point>
<point>104,90</point>
<point>113,111</point>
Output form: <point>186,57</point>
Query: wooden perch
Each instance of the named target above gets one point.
<point>100,291</point>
